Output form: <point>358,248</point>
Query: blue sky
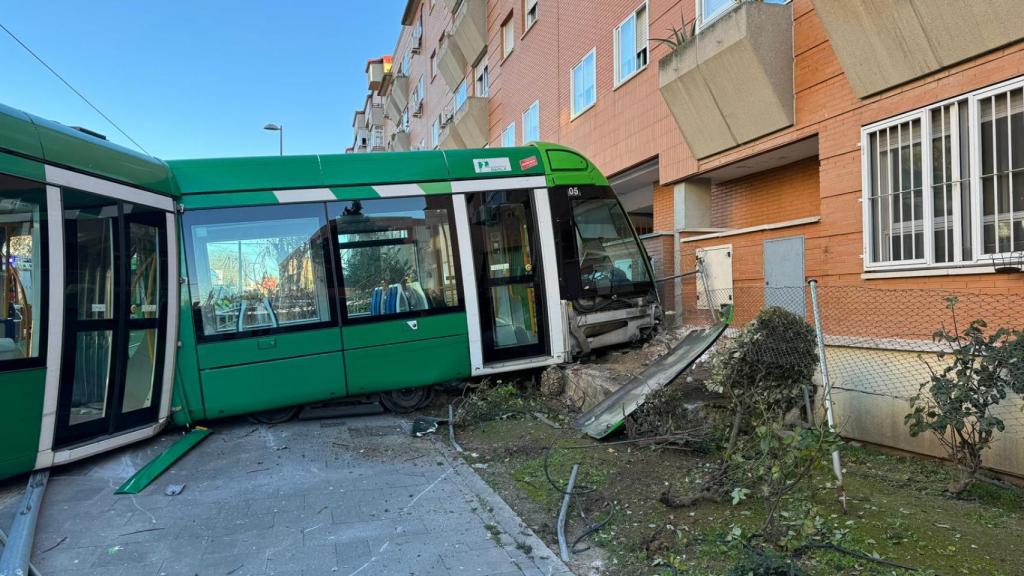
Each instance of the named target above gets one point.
<point>194,78</point>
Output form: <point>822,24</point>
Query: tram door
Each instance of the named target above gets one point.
<point>115,300</point>
<point>508,275</point>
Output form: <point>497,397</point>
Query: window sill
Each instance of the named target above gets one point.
<point>926,272</point>
<point>582,112</point>
<point>628,78</point>
<point>527,31</point>
<point>506,56</point>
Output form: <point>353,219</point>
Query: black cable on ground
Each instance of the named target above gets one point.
<point>594,528</point>
<point>855,554</point>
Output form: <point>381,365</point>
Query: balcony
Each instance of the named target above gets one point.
<point>375,71</point>
<point>400,140</point>
<point>374,115</point>
<point>397,95</point>
<point>359,120</point>
<point>451,62</point>
<point>879,49</point>
<point>469,28</point>
<point>468,125</point>
<point>733,82</point>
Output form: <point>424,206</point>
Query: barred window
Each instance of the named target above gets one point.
<point>944,185</point>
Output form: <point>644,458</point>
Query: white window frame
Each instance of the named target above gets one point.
<point>504,133</point>
<point>460,96</point>
<point>508,37</point>
<point>977,256</point>
<point>527,24</point>
<point>729,7</point>
<point>481,80</point>
<point>617,44</point>
<point>535,107</point>
<point>573,112</point>
<point>435,133</point>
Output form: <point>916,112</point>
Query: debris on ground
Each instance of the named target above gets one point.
<point>174,489</point>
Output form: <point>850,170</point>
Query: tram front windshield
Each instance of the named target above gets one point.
<point>611,260</point>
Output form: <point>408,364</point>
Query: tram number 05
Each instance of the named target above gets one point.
<point>574,192</point>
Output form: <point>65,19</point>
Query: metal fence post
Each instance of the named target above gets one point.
<point>825,382</point>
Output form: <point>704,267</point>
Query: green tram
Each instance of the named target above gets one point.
<point>139,294</point>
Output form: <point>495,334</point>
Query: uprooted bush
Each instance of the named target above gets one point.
<point>762,372</point>
<point>973,376</point>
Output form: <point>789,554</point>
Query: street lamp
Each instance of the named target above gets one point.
<point>280,132</point>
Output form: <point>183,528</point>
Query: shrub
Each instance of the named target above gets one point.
<point>763,370</point>
<point>956,403</point>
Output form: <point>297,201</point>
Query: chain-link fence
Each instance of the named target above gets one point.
<point>880,347</point>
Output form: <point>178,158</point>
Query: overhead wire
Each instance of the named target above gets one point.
<point>72,88</point>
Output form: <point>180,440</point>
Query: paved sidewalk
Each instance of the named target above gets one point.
<point>346,497</point>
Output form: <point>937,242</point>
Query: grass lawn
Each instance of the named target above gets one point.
<point>897,510</point>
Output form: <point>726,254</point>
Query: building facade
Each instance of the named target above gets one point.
<point>863,143</point>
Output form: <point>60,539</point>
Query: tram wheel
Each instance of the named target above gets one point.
<point>278,416</point>
<point>407,399</point>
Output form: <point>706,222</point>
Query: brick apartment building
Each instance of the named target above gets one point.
<point>873,143</point>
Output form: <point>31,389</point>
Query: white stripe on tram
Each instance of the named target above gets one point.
<point>304,195</point>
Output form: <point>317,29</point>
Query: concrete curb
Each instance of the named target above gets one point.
<point>542,561</point>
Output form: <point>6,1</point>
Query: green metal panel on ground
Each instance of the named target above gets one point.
<point>393,331</point>
<point>268,385</point>
<point>20,419</point>
<point>407,365</point>
<point>266,348</point>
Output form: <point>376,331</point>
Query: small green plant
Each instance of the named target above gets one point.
<point>678,36</point>
<point>956,403</point>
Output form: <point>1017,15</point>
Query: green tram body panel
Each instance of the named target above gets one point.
<point>20,413</point>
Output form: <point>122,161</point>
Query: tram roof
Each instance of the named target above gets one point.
<point>558,164</point>
<point>53,143</point>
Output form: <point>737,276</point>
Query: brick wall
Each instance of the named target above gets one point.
<point>778,195</point>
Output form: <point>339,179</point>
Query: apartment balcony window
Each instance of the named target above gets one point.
<point>530,14</point>
<point>435,132</point>
<point>944,185</point>
<point>584,84</point>
<point>709,10</point>
<point>508,37</point>
<point>531,123</point>
<point>631,45</point>
<point>483,81</point>
<point>460,96</point>
<point>508,136</point>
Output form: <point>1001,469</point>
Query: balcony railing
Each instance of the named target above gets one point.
<point>732,82</point>
<point>879,49</point>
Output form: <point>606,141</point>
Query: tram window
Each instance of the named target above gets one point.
<point>397,255</point>
<point>257,269</point>
<point>22,215</point>
<point>610,258</point>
